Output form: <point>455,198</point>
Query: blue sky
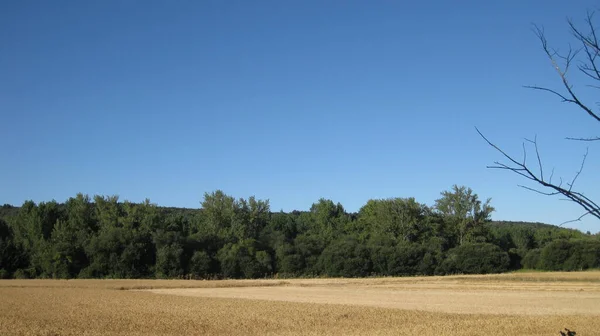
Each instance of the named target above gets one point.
<point>287,100</point>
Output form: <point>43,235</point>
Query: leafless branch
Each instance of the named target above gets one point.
<point>590,45</point>
<point>554,55</point>
<point>556,189</point>
<point>539,191</point>
<point>564,99</point>
<point>575,220</point>
<point>537,153</point>
<point>584,139</point>
<point>586,56</point>
<point>579,171</point>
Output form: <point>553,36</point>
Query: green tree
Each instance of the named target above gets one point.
<point>68,250</point>
<point>466,212</point>
<point>200,264</point>
<point>234,220</point>
<point>108,211</point>
<point>410,259</point>
<point>585,254</point>
<point>33,228</point>
<point>554,255</point>
<point>309,247</point>
<point>10,253</point>
<point>70,237</point>
<point>381,250</point>
<point>532,259</point>
<point>401,219</point>
<point>123,246</point>
<point>104,251</point>
<point>327,219</point>
<point>243,260</point>
<point>289,262</point>
<point>169,261</point>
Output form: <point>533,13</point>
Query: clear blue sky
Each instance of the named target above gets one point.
<point>286,100</point>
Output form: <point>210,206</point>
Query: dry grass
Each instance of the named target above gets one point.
<point>508,304</point>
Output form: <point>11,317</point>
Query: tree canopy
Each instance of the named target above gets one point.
<point>103,237</point>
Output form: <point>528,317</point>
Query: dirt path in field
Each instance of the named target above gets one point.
<point>461,301</point>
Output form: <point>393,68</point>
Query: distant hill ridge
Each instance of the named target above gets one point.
<point>8,210</point>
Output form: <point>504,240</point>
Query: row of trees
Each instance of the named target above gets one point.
<point>242,238</point>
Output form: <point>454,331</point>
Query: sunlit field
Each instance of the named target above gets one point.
<point>506,304</point>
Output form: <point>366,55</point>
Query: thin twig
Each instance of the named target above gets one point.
<point>575,220</point>
<point>584,139</point>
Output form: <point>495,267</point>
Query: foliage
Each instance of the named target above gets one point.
<point>475,258</point>
<point>200,264</point>
<point>531,259</point>
<point>102,237</point>
<point>466,213</point>
<point>570,255</point>
<point>10,253</point>
<point>345,257</point>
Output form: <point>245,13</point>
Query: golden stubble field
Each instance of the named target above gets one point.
<point>506,304</point>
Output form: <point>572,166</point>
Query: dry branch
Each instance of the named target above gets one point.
<point>588,56</point>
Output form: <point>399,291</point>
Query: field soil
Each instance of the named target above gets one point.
<point>506,304</point>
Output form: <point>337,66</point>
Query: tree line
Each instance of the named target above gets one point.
<point>101,237</point>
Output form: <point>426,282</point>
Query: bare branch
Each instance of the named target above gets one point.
<point>576,220</point>
<point>539,191</point>
<point>561,182</point>
<point>564,99</point>
<point>537,153</point>
<point>553,55</point>
<point>580,169</point>
<point>496,147</point>
<point>585,56</point>
<point>584,139</point>
<point>522,170</point>
<point>591,47</point>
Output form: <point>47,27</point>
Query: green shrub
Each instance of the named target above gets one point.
<point>570,255</point>
<point>478,258</point>
<point>265,261</point>
<point>531,259</point>
<point>200,264</point>
<point>408,259</point>
<point>21,274</point>
<point>240,260</point>
<point>554,255</point>
<point>169,261</point>
<point>345,257</point>
<point>516,256</point>
<point>584,254</point>
<point>290,264</point>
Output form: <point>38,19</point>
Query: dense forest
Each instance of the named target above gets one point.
<point>101,237</point>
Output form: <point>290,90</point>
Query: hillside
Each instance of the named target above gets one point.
<point>8,210</point>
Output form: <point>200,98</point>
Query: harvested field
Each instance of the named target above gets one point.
<point>507,304</point>
<point>434,300</point>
